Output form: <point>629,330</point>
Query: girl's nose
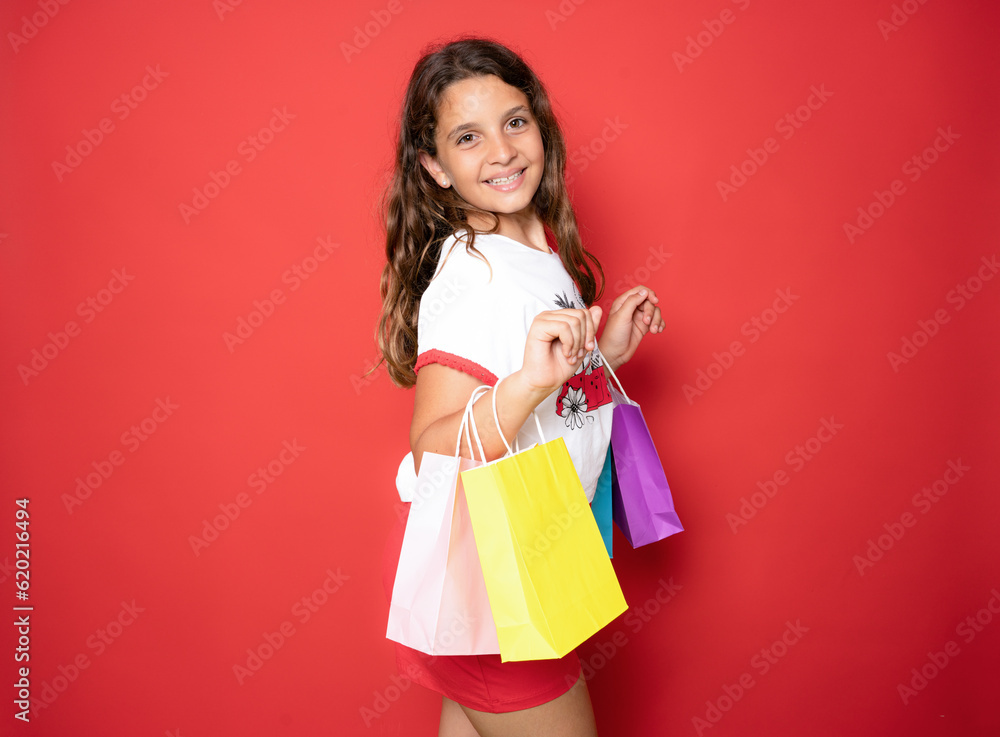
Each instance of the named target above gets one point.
<point>501,150</point>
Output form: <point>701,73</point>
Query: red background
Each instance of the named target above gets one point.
<point>648,183</point>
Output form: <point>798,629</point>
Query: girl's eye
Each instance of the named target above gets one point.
<point>467,138</point>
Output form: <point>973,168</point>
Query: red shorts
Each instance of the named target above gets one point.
<point>480,682</point>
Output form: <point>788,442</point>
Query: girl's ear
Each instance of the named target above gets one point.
<point>434,169</point>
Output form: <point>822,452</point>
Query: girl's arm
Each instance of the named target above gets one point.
<point>441,396</point>
<point>557,341</point>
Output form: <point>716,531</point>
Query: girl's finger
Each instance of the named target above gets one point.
<point>578,331</point>
<point>590,338</point>
<point>559,326</point>
<point>574,331</point>
<point>585,321</point>
<point>638,295</point>
<point>572,324</point>
<point>596,313</point>
<point>657,324</point>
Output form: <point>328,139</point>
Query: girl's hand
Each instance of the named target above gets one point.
<point>633,314</point>
<point>557,342</point>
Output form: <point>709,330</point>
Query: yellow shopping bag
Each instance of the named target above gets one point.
<point>549,580</point>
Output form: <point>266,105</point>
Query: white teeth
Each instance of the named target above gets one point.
<point>506,180</point>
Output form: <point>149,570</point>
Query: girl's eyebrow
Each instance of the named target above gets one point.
<point>467,126</point>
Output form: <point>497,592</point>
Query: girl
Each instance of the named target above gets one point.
<point>487,280</point>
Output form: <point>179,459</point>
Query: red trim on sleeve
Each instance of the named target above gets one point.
<point>456,362</point>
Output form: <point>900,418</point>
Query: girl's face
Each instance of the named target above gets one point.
<point>485,133</point>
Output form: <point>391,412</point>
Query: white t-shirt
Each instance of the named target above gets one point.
<point>479,325</point>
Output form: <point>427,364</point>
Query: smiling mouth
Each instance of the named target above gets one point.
<point>506,180</point>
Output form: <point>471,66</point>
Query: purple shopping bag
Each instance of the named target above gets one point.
<point>642,505</point>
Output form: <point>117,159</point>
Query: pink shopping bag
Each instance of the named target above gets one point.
<point>439,602</point>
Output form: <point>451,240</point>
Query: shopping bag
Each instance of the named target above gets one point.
<point>549,580</point>
<point>439,603</point>
<point>642,505</point>
<point>601,503</point>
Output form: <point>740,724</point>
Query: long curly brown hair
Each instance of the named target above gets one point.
<point>418,214</point>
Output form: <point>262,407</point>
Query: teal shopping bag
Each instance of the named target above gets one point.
<point>601,505</point>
